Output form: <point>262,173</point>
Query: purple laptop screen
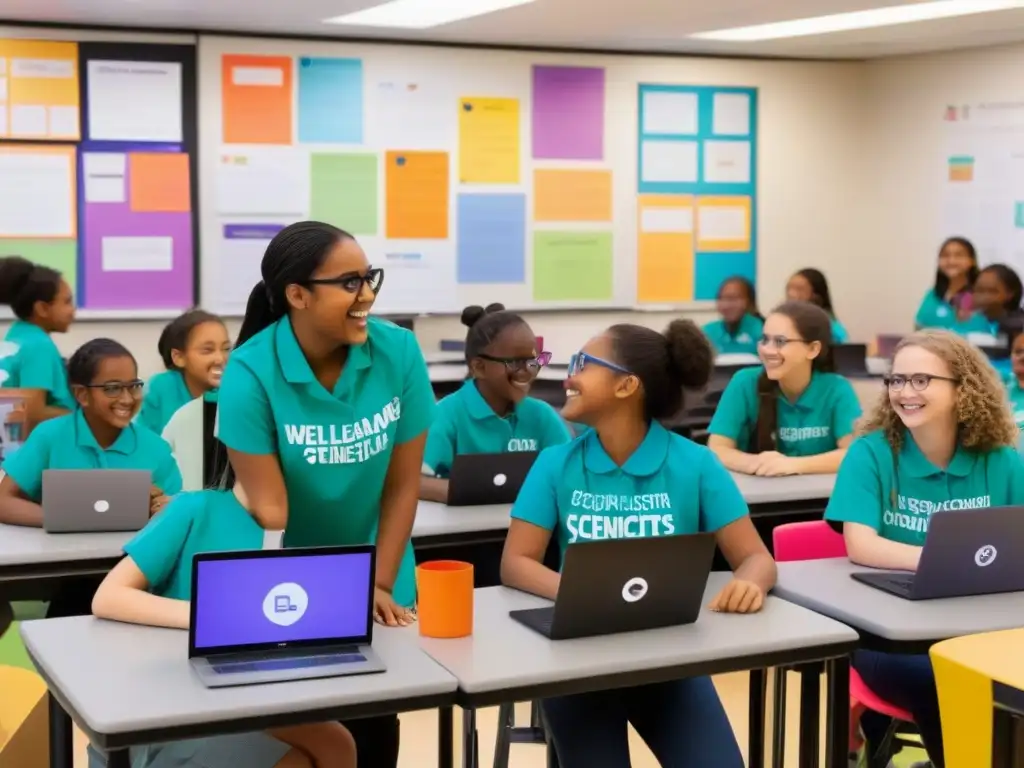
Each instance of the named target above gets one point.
<point>282,599</point>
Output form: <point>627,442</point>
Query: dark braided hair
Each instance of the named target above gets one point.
<point>485,324</point>
<point>23,283</point>
<point>176,334</point>
<point>86,361</point>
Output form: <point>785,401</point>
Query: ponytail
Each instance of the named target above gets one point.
<point>260,313</point>
<point>767,415</point>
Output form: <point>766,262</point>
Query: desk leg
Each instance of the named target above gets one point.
<point>837,713</point>
<point>118,758</point>
<point>552,756</point>
<point>810,714</point>
<point>445,738</point>
<point>470,741</point>
<point>755,718</point>
<point>60,736</point>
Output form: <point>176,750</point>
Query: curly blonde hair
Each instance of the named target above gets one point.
<point>983,410</point>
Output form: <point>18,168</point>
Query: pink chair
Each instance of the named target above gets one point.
<point>816,540</point>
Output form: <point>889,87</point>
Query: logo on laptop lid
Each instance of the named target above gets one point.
<point>985,556</point>
<point>101,506</point>
<point>634,589</point>
<point>285,604</point>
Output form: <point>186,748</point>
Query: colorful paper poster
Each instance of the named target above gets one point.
<point>961,168</point>
<point>38,191</point>
<point>570,195</point>
<point>491,238</point>
<point>668,112</point>
<point>257,99</point>
<point>159,181</point>
<point>416,195</point>
<point>572,266</point>
<point>410,111</point>
<point>488,141</point>
<point>58,254</point>
<point>665,252</point>
<point>724,223</point>
<point>343,191</point>
<point>330,100</point>
<point>568,113</point>
<point>151,88</point>
<point>42,96</point>
<point>104,177</point>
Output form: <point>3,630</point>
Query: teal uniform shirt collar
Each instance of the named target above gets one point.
<point>477,406</point>
<point>915,464</point>
<point>126,443</point>
<point>806,400</point>
<point>294,366</point>
<point>645,461</point>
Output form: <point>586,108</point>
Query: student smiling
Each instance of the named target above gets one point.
<point>812,285</point>
<point>941,437</point>
<point>629,476</point>
<point>1015,381</point>
<point>949,301</point>
<point>741,323</point>
<point>793,415</point>
<point>998,318</point>
<point>492,412</point>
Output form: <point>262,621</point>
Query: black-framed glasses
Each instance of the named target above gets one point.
<point>579,361</point>
<point>512,364</point>
<point>114,389</point>
<point>918,381</point>
<point>353,281</point>
<point>777,342</point>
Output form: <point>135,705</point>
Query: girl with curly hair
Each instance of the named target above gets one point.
<point>940,437</point>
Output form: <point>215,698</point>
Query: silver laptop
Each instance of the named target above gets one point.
<point>92,500</point>
<point>966,552</point>
<point>268,616</point>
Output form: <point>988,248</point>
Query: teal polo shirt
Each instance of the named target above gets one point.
<point>465,423</point>
<point>935,312</point>
<point>839,334</point>
<point>823,415</point>
<point>203,521</point>
<point>742,342</point>
<point>334,447</point>
<point>67,443</point>
<point>165,394</point>
<point>1016,394</point>
<point>669,486</point>
<point>30,360</point>
<point>897,499</point>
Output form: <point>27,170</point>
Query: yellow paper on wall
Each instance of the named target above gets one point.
<point>488,141</point>
<point>665,258</point>
<point>42,89</point>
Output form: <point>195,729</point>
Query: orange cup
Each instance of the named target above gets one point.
<point>445,598</point>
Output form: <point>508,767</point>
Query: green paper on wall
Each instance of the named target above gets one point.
<point>344,191</point>
<point>57,253</point>
<point>572,266</point>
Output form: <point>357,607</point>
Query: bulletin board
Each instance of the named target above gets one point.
<point>98,170</point>
<point>544,181</point>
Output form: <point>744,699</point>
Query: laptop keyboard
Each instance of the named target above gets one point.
<point>278,662</point>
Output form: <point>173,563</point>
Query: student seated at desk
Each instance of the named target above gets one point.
<point>811,285</point>
<point>942,439</point>
<point>998,318</point>
<point>152,585</point>
<point>194,348</point>
<point>98,435</point>
<point>492,412</point>
<point>741,324</point>
<point>629,476</point>
<point>793,415</point>
<point>43,305</point>
<point>949,301</point>
<point>1015,381</point>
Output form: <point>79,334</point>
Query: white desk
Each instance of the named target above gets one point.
<point>435,520</point>
<point>776,490</point>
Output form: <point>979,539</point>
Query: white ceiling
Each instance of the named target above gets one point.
<point>635,25</point>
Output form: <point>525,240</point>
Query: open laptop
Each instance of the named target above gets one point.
<point>272,615</point>
<point>887,343</point>
<point>94,500</point>
<point>851,359</point>
<point>966,552</point>
<point>624,585</point>
<point>488,478</point>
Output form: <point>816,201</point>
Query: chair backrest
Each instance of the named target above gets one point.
<point>814,540</point>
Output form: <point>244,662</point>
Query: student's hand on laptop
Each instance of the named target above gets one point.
<point>387,611</point>
<point>738,596</point>
<point>774,464</point>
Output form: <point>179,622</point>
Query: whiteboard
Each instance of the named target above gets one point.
<point>473,176</point>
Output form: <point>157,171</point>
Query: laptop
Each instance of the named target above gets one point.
<point>625,585</point>
<point>851,359</point>
<point>887,344</point>
<point>488,478</point>
<point>95,500</point>
<point>966,552</point>
<point>266,616</point>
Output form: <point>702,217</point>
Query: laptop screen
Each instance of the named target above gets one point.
<point>280,598</point>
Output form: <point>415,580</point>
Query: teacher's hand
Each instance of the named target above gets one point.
<point>387,611</point>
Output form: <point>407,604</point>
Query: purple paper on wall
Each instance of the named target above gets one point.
<point>568,113</point>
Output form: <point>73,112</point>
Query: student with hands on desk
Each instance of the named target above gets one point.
<point>492,412</point>
<point>941,437</point>
<point>793,415</point>
<point>629,476</point>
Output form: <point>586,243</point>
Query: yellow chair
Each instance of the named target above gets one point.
<point>24,719</point>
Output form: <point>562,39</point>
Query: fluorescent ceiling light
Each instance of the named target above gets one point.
<point>421,14</point>
<point>877,17</point>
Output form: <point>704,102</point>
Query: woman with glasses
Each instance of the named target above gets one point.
<point>324,412</point>
<point>792,415</point>
<point>625,477</point>
<point>492,412</point>
<point>941,437</point>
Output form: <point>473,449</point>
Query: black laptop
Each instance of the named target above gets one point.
<point>966,552</point>
<point>626,585</point>
<point>488,478</point>
<point>851,359</point>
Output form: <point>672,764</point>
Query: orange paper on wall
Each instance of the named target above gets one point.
<point>416,196</point>
<point>723,223</point>
<point>560,195</point>
<point>665,259</point>
<point>257,99</point>
<point>158,181</point>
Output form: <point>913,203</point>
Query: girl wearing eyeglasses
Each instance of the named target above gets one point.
<point>940,437</point>
<point>792,415</point>
<point>492,412</point>
<point>324,411</point>
<point>628,476</point>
